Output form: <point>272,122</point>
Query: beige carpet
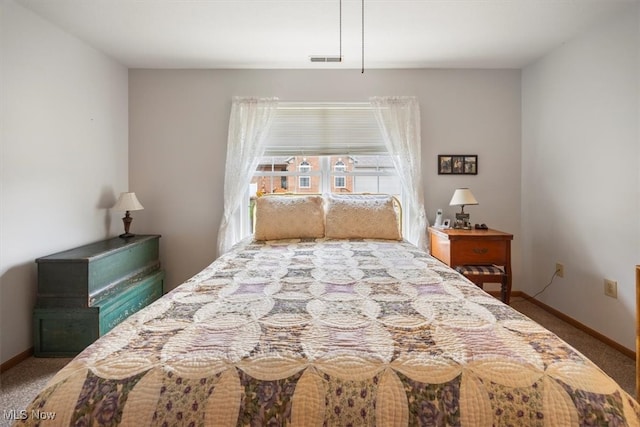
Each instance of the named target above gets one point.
<point>19,385</point>
<point>617,365</point>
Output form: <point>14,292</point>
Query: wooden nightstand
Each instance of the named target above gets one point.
<point>474,247</point>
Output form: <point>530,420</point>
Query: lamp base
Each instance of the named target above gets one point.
<point>127,224</point>
<point>462,221</point>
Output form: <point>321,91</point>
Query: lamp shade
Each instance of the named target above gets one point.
<point>463,196</point>
<point>128,202</point>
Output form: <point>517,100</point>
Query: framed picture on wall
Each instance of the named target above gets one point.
<point>457,164</point>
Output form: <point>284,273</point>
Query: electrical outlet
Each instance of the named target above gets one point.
<point>611,288</point>
<point>560,269</point>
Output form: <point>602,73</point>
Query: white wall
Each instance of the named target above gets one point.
<point>63,156</point>
<point>178,135</point>
<point>580,153</point>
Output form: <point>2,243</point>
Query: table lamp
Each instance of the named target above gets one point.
<point>462,197</point>
<point>127,202</point>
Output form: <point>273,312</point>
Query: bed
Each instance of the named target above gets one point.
<point>331,329</point>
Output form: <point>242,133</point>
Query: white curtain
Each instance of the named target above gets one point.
<point>248,127</point>
<point>399,121</point>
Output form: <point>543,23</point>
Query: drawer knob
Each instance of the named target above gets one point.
<point>480,251</point>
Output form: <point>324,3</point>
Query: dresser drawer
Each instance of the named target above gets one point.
<point>123,305</point>
<point>64,332</point>
<point>70,278</point>
<point>478,252</point>
<point>129,260</point>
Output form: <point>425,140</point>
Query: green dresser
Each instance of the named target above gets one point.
<point>86,291</point>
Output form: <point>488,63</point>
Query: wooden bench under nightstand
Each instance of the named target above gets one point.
<point>490,250</point>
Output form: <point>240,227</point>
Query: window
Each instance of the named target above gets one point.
<point>339,181</point>
<point>287,129</point>
<point>324,147</point>
<point>304,181</point>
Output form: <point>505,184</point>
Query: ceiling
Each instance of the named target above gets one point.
<point>285,33</point>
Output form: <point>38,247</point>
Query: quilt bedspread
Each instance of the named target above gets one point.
<point>331,333</point>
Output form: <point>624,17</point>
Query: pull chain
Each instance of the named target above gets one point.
<point>362,70</point>
<point>340,23</point>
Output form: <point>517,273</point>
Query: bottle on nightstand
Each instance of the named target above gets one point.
<point>438,222</point>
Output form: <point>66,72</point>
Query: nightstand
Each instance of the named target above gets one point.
<point>458,248</point>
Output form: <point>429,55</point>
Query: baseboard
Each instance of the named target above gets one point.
<point>573,322</point>
<point>17,359</point>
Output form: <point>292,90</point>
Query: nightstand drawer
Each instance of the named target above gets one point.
<point>479,252</point>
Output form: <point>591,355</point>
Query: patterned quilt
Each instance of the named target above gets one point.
<point>331,333</point>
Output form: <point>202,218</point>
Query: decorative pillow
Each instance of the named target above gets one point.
<point>289,217</point>
<point>361,216</point>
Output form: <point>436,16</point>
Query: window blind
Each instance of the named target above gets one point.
<point>324,129</point>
